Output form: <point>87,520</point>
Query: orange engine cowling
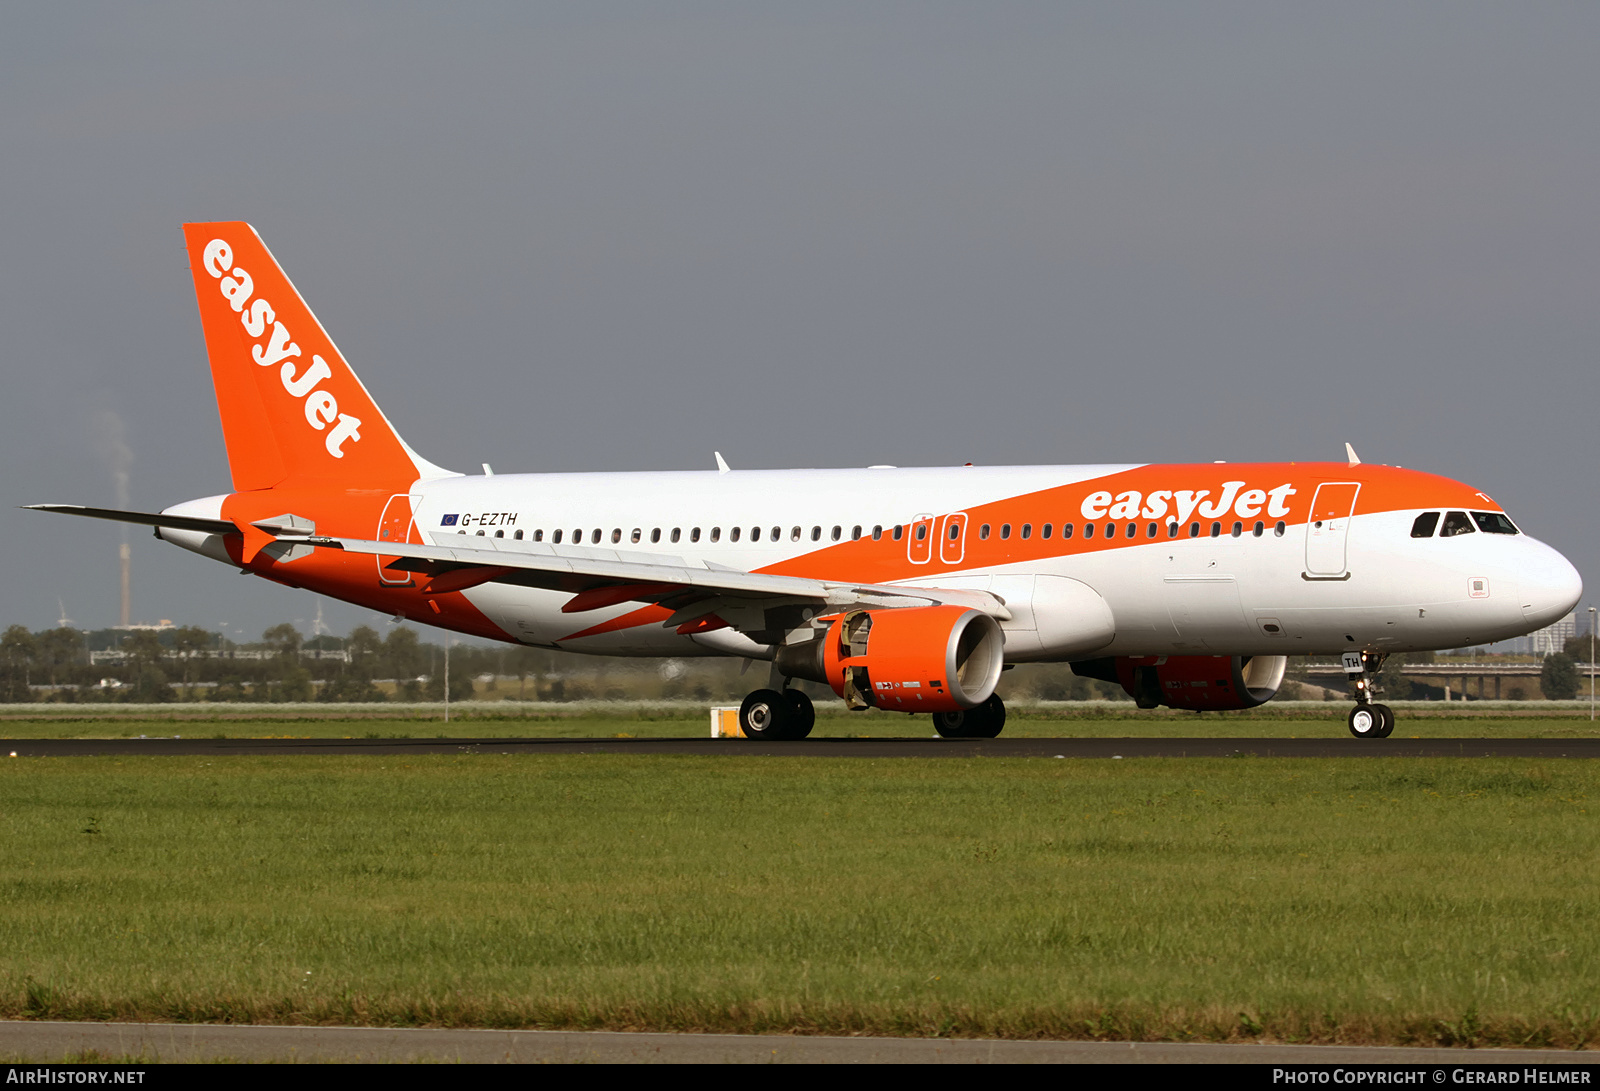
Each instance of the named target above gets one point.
<point>1217,683</point>
<point>920,659</point>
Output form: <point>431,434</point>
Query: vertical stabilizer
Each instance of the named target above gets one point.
<point>293,412</point>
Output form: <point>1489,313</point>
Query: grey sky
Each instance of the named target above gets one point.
<point>591,236</point>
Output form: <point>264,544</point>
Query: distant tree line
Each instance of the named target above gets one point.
<point>189,663</point>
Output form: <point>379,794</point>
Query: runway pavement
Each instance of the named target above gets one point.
<point>164,1042</point>
<point>1331,747</point>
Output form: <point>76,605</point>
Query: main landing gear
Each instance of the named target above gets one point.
<point>777,714</point>
<point>788,714</point>
<point>980,722</point>
<point>1368,720</point>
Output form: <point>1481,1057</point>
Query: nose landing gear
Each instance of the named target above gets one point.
<point>1369,719</point>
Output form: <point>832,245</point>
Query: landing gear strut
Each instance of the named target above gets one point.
<point>982,722</point>
<point>1368,720</point>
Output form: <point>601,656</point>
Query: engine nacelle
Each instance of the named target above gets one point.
<point>1211,683</point>
<point>920,659</point>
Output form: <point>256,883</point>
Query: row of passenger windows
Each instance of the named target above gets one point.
<point>1459,522</point>
<point>920,532</point>
<point>734,534</point>
<point>1131,530</point>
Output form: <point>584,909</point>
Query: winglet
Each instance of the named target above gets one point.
<point>1350,453</point>
<point>722,463</point>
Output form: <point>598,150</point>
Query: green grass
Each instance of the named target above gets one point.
<point>1416,901</point>
<point>1300,719</point>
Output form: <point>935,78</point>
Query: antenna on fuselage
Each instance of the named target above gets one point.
<point>1350,453</point>
<point>722,463</point>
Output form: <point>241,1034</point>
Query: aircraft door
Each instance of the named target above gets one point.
<point>1328,529</point>
<point>919,539</point>
<point>953,538</point>
<point>397,525</point>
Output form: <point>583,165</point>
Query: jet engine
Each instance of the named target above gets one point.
<point>1211,683</point>
<point>919,659</point>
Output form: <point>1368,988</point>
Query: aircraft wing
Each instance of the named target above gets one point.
<point>770,608</point>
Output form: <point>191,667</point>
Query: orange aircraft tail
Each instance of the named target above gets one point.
<point>293,412</point>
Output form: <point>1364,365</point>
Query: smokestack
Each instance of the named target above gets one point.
<point>111,438</point>
<point>127,585</point>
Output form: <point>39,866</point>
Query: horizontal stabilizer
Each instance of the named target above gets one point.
<point>143,518</point>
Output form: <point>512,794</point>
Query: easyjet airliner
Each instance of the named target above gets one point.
<point>901,589</point>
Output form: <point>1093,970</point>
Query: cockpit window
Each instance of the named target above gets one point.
<point>1493,522</point>
<point>1425,525</point>
<point>1456,523</point>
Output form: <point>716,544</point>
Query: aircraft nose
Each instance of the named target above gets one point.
<point>1550,586</point>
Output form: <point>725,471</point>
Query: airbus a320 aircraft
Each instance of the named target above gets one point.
<point>901,589</point>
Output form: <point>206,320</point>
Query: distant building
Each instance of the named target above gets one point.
<point>1550,639</point>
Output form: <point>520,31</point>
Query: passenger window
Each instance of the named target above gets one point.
<point>855,534</point>
<point>517,534</point>
<point>556,537</point>
<point>733,535</point>
<point>1088,530</point>
<point>1150,531</point>
<point>1238,529</point>
<point>877,534</point>
<point>655,534</point>
<point>616,535</point>
<point>1027,531</point>
<point>835,534</point>
<point>1111,530</point>
<point>480,533</point>
<point>1426,524</point>
<point>1493,522</point>
<point>694,534</point>
<point>983,533</point>
<point>1066,530</point>
<point>777,532</point>
<point>1278,529</point>
<point>1258,528</point>
<point>1456,523</point>
<point>716,534</point>
<point>1216,530</point>
<point>816,534</point>
<point>794,534</point>
<point>677,532</point>
<point>1194,530</point>
<point>899,532</point>
<point>955,531</point>
<point>636,536</point>
<point>594,536</point>
<point>1172,530</point>
<point>1005,531</point>
<point>538,535</point>
<point>499,534</point>
<point>1044,530</point>
<point>1133,530</point>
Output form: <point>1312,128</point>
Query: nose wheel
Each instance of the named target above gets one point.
<point>1369,719</point>
<point>1372,721</point>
